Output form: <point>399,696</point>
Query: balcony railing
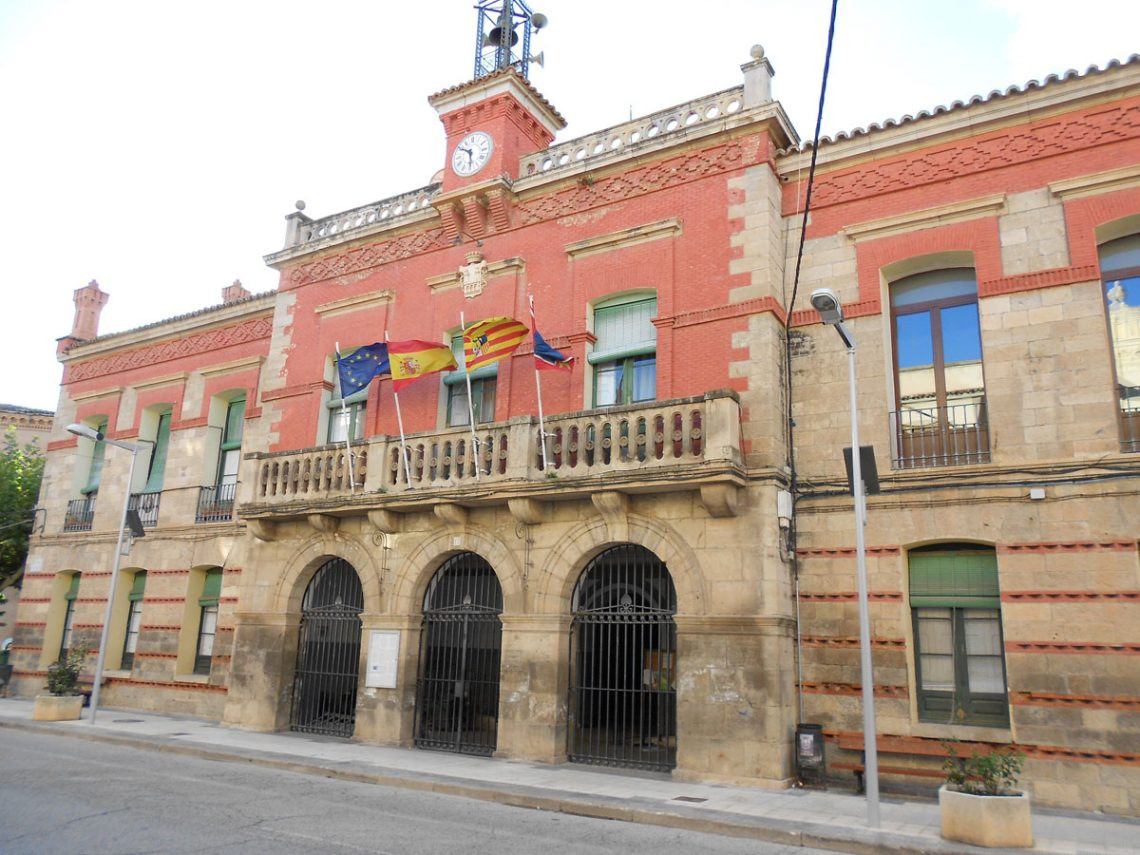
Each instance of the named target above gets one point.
<point>316,472</point>
<point>637,442</point>
<point>1130,426</point>
<point>80,513</point>
<point>146,506</point>
<point>930,436</point>
<point>216,504</point>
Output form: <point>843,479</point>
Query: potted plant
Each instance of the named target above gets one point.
<point>64,701</point>
<point>978,802</point>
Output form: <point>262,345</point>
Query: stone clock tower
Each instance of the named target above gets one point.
<point>491,122</point>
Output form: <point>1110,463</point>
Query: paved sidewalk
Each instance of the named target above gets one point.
<point>827,820</point>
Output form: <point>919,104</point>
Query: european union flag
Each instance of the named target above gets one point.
<point>358,368</point>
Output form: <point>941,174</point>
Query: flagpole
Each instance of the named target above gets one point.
<point>538,386</point>
<point>400,422</point>
<point>347,426</point>
<point>470,399</point>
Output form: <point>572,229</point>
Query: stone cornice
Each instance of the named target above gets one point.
<point>955,212</point>
<point>1097,183</point>
<point>1032,104</point>
<point>626,237</point>
<point>356,304</point>
<point>196,323</point>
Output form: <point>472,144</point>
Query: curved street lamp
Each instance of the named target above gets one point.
<point>88,432</point>
<point>826,302</point>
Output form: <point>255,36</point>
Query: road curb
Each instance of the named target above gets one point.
<point>783,832</point>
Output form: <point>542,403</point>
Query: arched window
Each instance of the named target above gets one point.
<point>940,388</point>
<point>959,660</point>
<point>1120,268</point>
<point>625,351</point>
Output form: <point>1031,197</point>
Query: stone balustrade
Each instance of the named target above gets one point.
<point>378,213</point>
<point>652,129</point>
<point>637,441</point>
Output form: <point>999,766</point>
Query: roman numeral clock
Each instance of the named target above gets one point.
<point>472,153</point>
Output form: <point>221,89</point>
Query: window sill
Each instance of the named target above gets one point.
<point>965,732</point>
<point>192,678</point>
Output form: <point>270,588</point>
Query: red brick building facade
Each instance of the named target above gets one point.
<point>642,595</point>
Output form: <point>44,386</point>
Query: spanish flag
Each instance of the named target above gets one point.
<point>489,341</point>
<point>410,360</point>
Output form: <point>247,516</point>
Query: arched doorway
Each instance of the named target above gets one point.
<point>328,652</point>
<point>457,691</point>
<point>623,643</point>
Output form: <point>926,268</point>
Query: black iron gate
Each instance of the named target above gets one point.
<point>457,693</point>
<point>623,643</point>
<point>328,652</point>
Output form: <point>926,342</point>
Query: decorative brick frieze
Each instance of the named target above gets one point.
<point>1038,279</point>
<point>735,310</point>
<point>657,176</point>
<point>1072,546</point>
<point>853,689</point>
<point>370,256</point>
<point>959,160</point>
<point>180,348</point>
<point>847,552</point>
<point>851,643</point>
<point>847,596</point>
<point>1076,647</point>
<point>1052,699</point>
<point>1071,596</point>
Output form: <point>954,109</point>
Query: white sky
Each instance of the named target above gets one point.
<point>157,146</point>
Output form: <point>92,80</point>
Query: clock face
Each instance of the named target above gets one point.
<point>472,153</point>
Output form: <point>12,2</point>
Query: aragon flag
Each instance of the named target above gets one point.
<point>489,341</point>
<point>412,359</point>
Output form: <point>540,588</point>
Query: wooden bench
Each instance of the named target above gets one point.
<point>902,746</point>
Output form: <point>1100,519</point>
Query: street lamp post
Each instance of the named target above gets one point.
<point>826,302</point>
<point>92,434</point>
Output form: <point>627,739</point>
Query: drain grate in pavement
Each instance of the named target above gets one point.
<point>178,734</point>
<point>127,721</point>
<point>692,799</point>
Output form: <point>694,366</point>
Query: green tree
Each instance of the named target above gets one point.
<point>21,470</point>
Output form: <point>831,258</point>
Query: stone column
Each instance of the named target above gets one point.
<point>735,699</point>
<point>533,686</point>
<point>387,716</point>
<point>261,671</point>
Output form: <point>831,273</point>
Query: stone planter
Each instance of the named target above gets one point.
<point>57,707</point>
<point>996,821</point>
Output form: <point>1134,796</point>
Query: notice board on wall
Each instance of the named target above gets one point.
<point>383,659</point>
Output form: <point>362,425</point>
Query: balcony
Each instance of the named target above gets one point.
<point>215,504</point>
<point>146,506</point>
<point>80,513</point>
<point>689,443</point>
<point>931,436</point>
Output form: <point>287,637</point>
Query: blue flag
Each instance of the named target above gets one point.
<point>546,358</point>
<point>358,368</point>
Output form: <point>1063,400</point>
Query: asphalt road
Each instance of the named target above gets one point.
<point>69,796</point>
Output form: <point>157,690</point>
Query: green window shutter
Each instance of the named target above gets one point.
<point>73,591</point>
<point>158,455</point>
<point>138,586</point>
<point>212,589</point>
<point>624,329</point>
<point>961,577</point>
<point>235,421</point>
<point>98,453</point>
